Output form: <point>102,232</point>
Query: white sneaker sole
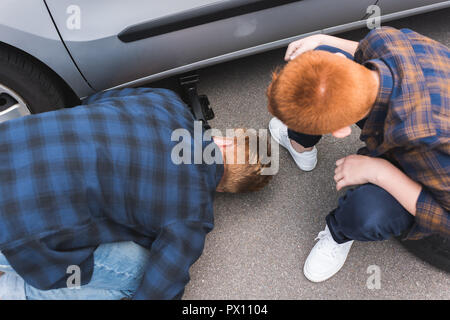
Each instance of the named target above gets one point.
<point>312,278</point>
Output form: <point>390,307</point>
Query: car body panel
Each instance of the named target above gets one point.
<point>103,20</point>
<point>391,6</point>
<point>29,27</point>
<point>93,58</point>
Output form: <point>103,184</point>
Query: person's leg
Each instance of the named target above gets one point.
<point>306,159</point>
<point>306,141</point>
<point>12,287</point>
<point>118,272</point>
<point>367,213</point>
<point>4,264</point>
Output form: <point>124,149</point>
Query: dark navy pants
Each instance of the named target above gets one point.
<point>368,213</point>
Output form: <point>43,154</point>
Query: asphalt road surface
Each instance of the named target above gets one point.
<point>261,240</point>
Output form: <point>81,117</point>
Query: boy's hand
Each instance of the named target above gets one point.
<point>356,170</point>
<point>298,47</point>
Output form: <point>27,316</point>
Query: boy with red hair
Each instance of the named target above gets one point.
<point>396,88</point>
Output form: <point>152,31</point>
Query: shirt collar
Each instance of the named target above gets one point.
<point>372,132</point>
<point>386,80</point>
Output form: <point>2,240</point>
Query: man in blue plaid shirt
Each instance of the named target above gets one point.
<point>94,191</point>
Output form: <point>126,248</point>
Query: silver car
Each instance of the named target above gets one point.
<point>53,52</point>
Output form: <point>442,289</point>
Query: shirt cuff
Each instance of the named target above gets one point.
<point>430,216</point>
<point>424,204</point>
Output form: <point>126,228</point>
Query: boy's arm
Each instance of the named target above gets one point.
<point>405,190</point>
<point>357,169</point>
<point>429,214</point>
<point>298,47</point>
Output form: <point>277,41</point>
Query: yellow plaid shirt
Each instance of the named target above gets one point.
<point>410,121</point>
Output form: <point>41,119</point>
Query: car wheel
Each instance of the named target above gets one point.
<point>433,249</point>
<point>27,86</point>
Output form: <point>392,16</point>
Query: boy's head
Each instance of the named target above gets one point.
<point>320,92</point>
<point>243,164</point>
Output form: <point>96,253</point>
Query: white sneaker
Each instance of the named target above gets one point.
<point>306,160</point>
<point>326,258</point>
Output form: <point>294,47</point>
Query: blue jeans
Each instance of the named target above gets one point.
<point>118,272</point>
<point>368,213</point>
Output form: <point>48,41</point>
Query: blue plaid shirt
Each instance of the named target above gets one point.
<point>73,179</point>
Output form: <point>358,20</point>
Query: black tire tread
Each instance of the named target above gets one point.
<point>38,77</point>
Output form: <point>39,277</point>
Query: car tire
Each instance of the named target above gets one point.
<point>433,249</point>
<point>28,80</point>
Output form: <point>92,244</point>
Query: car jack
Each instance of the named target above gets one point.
<point>199,104</point>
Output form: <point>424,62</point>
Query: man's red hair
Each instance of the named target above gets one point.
<point>320,92</point>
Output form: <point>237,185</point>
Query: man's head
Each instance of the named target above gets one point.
<point>320,92</point>
<point>243,164</point>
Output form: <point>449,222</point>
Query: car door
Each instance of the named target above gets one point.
<point>115,42</point>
